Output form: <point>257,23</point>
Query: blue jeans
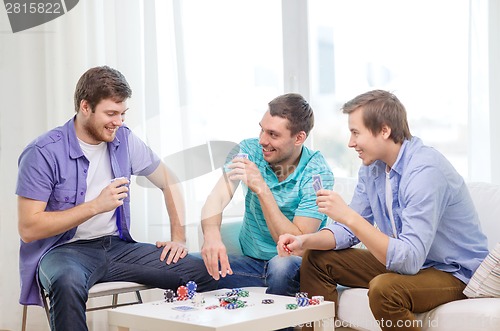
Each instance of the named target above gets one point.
<point>280,274</point>
<point>68,272</point>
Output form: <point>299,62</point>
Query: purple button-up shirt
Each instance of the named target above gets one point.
<point>53,169</point>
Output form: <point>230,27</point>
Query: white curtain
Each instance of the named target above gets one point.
<point>39,70</point>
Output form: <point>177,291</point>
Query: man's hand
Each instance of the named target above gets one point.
<point>331,204</point>
<point>177,251</point>
<point>289,245</point>
<point>246,171</point>
<point>112,195</point>
<point>212,252</point>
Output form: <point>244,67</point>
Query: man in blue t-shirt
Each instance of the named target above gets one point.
<point>277,173</point>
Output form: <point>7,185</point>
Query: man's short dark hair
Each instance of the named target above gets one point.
<point>101,83</point>
<point>295,109</point>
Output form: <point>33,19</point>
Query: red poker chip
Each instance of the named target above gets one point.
<point>182,292</point>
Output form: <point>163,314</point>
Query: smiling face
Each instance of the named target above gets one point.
<point>370,147</point>
<point>279,147</point>
<point>94,127</point>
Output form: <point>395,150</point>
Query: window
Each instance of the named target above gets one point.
<point>418,50</point>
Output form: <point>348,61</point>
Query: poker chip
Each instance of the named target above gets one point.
<point>191,286</point>
<point>302,302</point>
<point>292,306</point>
<point>234,291</point>
<point>191,294</point>
<point>231,306</point>
<point>320,298</point>
<point>182,293</point>
<point>301,295</point>
<point>314,302</point>
<point>169,295</point>
<point>243,293</point>
<point>267,301</point>
<point>198,300</point>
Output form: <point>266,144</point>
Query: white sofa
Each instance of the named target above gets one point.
<point>471,314</point>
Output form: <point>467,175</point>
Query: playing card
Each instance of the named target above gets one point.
<point>317,183</point>
<point>241,155</point>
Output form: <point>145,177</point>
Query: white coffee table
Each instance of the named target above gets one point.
<point>160,315</point>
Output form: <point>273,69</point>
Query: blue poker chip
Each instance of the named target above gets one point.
<point>191,286</point>
<point>191,294</point>
<point>302,302</point>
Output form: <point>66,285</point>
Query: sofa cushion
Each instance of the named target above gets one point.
<point>486,280</point>
<point>486,198</point>
<point>469,314</point>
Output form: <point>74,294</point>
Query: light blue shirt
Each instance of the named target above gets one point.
<point>436,221</point>
<point>295,196</point>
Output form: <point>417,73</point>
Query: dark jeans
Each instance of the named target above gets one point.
<point>280,274</point>
<point>68,272</point>
<point>393,298</point>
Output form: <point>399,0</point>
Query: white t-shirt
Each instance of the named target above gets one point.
<point>99,176</point>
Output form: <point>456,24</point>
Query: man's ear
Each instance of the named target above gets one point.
<point>385,131</point>
<point>300,138</point>
<point>85,107</point>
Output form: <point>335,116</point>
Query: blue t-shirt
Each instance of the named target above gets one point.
<point>295,196</point>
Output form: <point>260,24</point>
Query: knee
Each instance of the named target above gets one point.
<point>284,266</point>
<point>384,289</point>
<point>66,281</point>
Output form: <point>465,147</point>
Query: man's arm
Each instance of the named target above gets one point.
<point>278,224</point>
<point>34,223</point>
<point>332,204</point>
<point>296,245</point>
<point>213,250</point>
<point>165,180</point>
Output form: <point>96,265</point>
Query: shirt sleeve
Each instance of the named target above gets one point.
<point>35,179</point>
<point>143,160</point>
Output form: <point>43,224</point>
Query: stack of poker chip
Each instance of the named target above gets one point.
<point>317,299</point>
<point>302,302</point>
<point>302,299</point>
<point>182,293</point>
<point>234,305</point>
<point>169,295</point>
<point>301,295</point>
<point>291,306</point>
<point>191,287</point>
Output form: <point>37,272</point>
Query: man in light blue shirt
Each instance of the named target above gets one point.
<point>412,211</point>
<point>277,175</point>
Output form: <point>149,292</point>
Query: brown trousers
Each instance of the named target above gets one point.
<point>393,298</point>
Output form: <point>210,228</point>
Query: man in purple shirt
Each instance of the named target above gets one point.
<point>412,211</point>
<point>74,207</point>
